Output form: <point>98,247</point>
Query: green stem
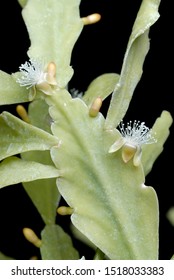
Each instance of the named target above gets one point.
<point>99,255</point>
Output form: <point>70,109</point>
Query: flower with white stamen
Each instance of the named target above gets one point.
<point>33,74</point>
<point>136,133</point>
<point>133,136</point>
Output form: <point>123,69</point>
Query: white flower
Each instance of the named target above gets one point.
<point>133,136</point>
<point>136,133</point>
<point>34,75</point>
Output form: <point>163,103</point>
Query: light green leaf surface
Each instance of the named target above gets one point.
<point>17,136</point>
<point>57,245</point>
<point>151,152</point>
<point>102,87</point>
<point>45,197</point>
<point>112,207</point>
<point>170,215</point>
<point>22,2</point>
<point>5,257</point>
<point>131,72</point>
<point>78,235</point>
<point>43,193</point>
<point>53,27</point>
<point>14,170</point>
<point>38,114</point>
<point>10,91</point>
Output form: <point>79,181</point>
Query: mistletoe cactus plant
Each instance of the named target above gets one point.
<point>62,146</point>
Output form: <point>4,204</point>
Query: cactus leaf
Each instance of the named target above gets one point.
<point>170,215</point>
<point>10,91</point>
<point>137,48</point>
<point>43,193</point>
<point>18,136</point>
<point>56,244</point>
<point>102,87</point>
<point>45,197</point>
<point>151,152</point>
<point>112,206</point>
<point>5,257</point>
<point>24,171</point>
<point>22,2</point>
<point>51,25</point>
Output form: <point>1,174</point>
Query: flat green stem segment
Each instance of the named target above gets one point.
<point>4,257</point>
<point>22,2</point>
<point>10,91</point>
<point>102,87</point>
<point>53,27</point>
<point>161,133</point>
<point>14,170</point>
<point>43,193</point>
<point>170,215</point>
<point>99,255</point>
<point>131,72</point>
<point>38,114</point>
<point>57,245</point>
<point>112,207</point>
<point>18,137</point>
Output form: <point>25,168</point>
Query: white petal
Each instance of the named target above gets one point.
<point>117,145</point>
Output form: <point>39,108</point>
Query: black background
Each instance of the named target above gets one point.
<point>100,49</point>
